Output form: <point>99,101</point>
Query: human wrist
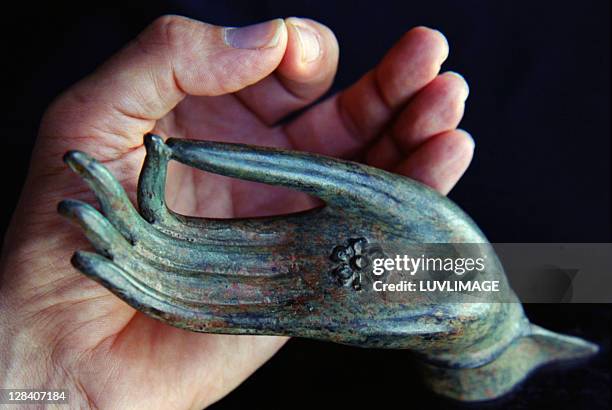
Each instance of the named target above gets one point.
<point>27,358</point>
<point>22,353</point>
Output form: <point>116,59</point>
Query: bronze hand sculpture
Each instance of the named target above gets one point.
<point>308,274</point>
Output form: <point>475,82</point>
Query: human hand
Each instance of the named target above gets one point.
<point>185,79</point>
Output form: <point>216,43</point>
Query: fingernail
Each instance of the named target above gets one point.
<point>309,43</point>
<point>256,36</point>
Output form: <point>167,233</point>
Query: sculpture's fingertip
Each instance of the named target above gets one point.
<point>80,261</point>
<point>72,208</point>
<point>98,268</point>
<point>170,142</point>
<point>151,140</point>
<point>69,156</point>
<point>77,160</point>
<point>74,156</point>
<point>155,144</point>
<point>63,207</point>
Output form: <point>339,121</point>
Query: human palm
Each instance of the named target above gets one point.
<point>186,79</point>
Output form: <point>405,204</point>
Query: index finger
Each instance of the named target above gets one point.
<point>109,111</point>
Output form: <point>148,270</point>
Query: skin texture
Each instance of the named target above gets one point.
<point>181,79</point>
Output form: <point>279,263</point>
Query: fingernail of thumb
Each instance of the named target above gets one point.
<point>256,36</point>
<point>309,43</point>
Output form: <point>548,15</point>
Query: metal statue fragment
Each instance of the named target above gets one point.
<point>308,274</point>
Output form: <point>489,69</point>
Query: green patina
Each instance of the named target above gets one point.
<point>307,274</point>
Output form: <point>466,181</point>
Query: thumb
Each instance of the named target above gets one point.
<point>111,109</point>
<point>108,113</point>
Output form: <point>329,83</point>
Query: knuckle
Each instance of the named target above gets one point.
<point>64,111</point>
<point>166,33</point>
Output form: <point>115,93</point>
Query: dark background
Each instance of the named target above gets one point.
<point>539,110</point>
